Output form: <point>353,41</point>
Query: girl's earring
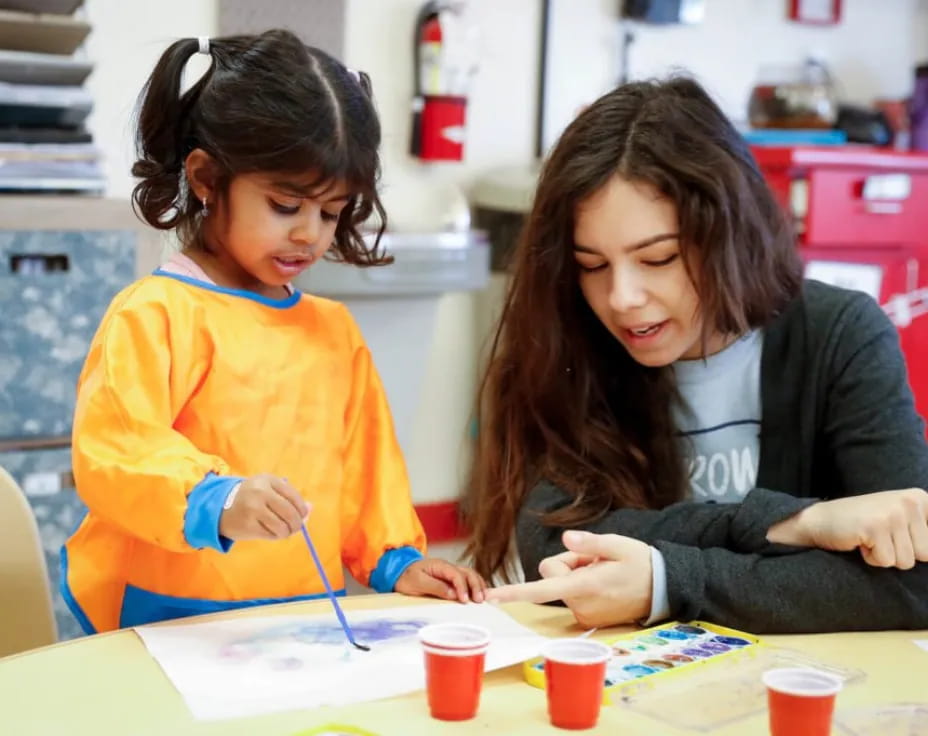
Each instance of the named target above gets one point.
<point>205,210</point>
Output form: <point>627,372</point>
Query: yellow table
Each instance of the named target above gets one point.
<point>108,684</point>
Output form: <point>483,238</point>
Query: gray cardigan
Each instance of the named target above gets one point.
<point>838,420</point>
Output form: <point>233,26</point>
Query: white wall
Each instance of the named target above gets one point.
<point>500,131</point>
<point>127,39</point>
<point>501,111</point>
<point>871,52</point>
<point>919,32</point>
<point>129,35</point>
<point>582,59</point>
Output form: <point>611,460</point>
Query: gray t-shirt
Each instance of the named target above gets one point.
<point>838,421</point>
<point>719,419</point>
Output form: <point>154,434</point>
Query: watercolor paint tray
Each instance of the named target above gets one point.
<point>659,653</point>
<point>692,675</point>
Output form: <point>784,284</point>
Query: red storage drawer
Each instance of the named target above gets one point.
<point>866,207</point>
<point>897,277</point>
<point>861,215</point>
<point>850,195</point>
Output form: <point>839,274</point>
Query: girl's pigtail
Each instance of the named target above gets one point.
<point>162,141</point>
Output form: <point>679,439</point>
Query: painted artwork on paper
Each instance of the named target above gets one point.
<point>285,647</point>
<point>251,664</point>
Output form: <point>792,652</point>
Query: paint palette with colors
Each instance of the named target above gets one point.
<point>659,652</point>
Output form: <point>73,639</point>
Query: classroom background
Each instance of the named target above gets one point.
<point>468,111</point>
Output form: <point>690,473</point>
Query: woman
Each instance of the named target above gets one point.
<point>662,373</point>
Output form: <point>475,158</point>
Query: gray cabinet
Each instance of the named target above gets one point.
<point>54,288</point>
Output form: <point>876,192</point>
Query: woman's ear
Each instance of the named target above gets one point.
<point>201,174</point>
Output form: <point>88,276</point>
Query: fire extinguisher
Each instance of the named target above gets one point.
<point>444,60</point>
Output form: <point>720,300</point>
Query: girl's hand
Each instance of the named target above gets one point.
<point>264,507</point>
<point>441,579</point>
<point>890,528</point>
<point>604,579</point>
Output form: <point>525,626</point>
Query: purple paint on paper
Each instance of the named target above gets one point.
<point>331,633</point>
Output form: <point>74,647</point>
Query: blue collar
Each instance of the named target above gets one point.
<point>267,301</point>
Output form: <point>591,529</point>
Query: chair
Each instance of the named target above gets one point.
<point>27,619</point>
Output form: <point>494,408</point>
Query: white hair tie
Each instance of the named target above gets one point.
<point>355,74</point>
<point>204,45</point>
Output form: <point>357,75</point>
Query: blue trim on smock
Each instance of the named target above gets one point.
<point>143,607</point>
<point>204,508</point>
<point>265,300</point>
<point>68,596</point>
<point>392,564</point>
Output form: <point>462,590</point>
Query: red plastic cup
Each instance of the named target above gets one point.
<point>801,701</point>
<point>575,677</point>
<point>454,660</point>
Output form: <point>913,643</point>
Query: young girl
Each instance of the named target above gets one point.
<point>219,408</point>
<point>663,375</point>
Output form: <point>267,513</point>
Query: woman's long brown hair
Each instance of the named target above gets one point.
<point>561,399</point>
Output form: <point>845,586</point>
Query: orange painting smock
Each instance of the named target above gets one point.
<point>186,379</point>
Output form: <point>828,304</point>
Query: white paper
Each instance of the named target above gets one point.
<point>923,643</point>
<point>250,666</point>
<point>865,277</point>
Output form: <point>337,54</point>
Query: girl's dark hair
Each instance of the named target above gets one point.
<point>268,104</point>
<point>562,400</point>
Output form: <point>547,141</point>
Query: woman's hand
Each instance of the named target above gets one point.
<point>441,579</point>
<point>890,528</point>
<point>605,579</point>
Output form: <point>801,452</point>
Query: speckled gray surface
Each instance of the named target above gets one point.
<point>47,321</point>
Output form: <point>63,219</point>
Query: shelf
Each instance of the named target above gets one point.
<point>63,7</point>
<point>24,67</point>
<point>47,34</point>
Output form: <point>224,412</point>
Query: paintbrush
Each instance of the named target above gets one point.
<point>331,593</point>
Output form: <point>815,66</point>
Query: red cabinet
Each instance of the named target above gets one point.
<point>843,208</point>
<point>862,218</point>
